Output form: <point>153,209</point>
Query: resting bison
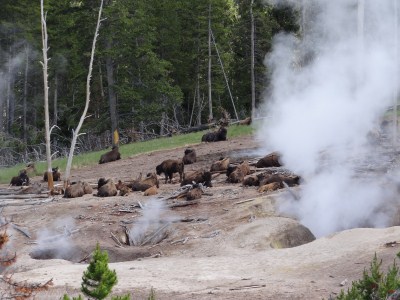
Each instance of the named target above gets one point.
<point>35,188</point>
<point>251,180</point>
<point>151,191</point>
<point>290,180</point>
<point>169,167</point>
<point>220,165</point>
<point>123,189</point>
<point>78,189</point>
<point>216,136</point>
<point>270,160</point>
<point>194,194</point>
<point>270,187</point>
<point>200,176</point>
<point>240,172</point>
<point>56,175</point>
<point>21,179</point>
<point>151,179</point>
<point>144,184</point>
<point>189,157</point>
<point>110,156</point>
<point>107,189</point>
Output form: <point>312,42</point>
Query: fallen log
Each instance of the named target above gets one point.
<point>183,203</point>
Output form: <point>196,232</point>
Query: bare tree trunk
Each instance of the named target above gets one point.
<point>24,100</point>
<point>198,101</point>
<point>112,98</point>
<point>46,98</point>
<point>75,133</point>
<point>7,123</point>
<point>55,100</point>
<point>253,84</point>
<point>210,115</point>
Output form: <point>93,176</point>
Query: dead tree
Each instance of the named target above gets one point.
<point>75,133</point>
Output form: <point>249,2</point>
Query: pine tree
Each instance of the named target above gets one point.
<point>98,279</point>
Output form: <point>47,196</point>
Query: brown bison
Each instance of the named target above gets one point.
<point>56,175</point>
<point>169,167</point>
<point>251,180</point>
<point>239,173</point>
<point>123,189</point>
<point>151,179</point>
<point>194,194</point>
<point>290,180</point>
<point>215,136</point>
<point>151,191</point>
<point>78,189</point>
<point>21,179</point>
<point>189,157</point>
<point>107,189</point>
<point>144,184</point>
<point>200,176</point>
<point>270,187</point>
<point>35,188</point>
<point>110,156</point>
<point>270,160</point>
<point>220,165</point>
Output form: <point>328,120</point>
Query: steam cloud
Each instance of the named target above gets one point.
<point>329,90</point>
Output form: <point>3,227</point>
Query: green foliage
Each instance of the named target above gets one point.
<point>374,284</point>
<point>98,280</point>
<point>66,297</point>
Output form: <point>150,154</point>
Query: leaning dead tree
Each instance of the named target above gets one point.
<point>46,97</point>
<point>75,133</point>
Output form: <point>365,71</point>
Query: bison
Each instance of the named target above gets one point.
<point>290,180</point>
<point>194,194</point>
<point>215,136</point>
<point>123,189</point>
<point>239,173</point>
<point>110,156</point>
<point>35,188</point>
<point>151,179</point>
<point>151,191</point>
<point>200,176</point>
<point>270,160</point>
<point>251,180</point>
<point>189,157</point>
<point>270,187</point>
<point>56,175</point>
<point>78,189</point>
<point>21,179</point>
<point>107,189</point>
<point>220,165</point>
<point>169,167</point>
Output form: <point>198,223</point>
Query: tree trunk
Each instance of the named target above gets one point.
<point>75,132</point>
<point>24,100</point>
<point>55,100</point>
<point>112,98</point>
<point>198,101</point>
<point>210,115</point>
<point>46,98</point>
<point>253,84</point>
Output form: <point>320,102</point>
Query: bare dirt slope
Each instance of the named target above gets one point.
<point>223,247</point>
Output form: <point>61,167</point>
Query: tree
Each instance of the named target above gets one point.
<point>98,280</point>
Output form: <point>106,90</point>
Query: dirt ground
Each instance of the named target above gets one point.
<point>221,247</point>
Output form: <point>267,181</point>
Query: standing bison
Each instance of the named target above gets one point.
<point>110,156</point>
<point>169,167</point>
<point>216,136</point>
<point>56,175</point>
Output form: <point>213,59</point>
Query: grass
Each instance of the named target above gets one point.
<point>128,150</point>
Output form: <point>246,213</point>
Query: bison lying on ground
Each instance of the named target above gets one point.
<point>189,157</point>
<point>56,175</point>
<point>290,180</point>
<point>144,184</point>
<point>112,155</point>
<point>216,136</point>
<point>270,160</point>
<point>169,167</point>
<point>199,176</point>
<point>21,179</point>
<point>123,189</point>
<point>239,173</point>
<point>194,194</point>
<point>106,188</point>
<point>220,165</point>
<point>77,189</point>
<point>35,188</point>
<point>151,191</point>
<point>251,180</point>
<point>270,187</point>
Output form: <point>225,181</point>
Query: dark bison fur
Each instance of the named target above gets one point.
<point>194,194</point>
<point>56,175</point>
<point>137,185</point>
<point>215,136</point>
<point>220,165</point>
<point>240,172</point>
<point>169,167</point>
<point>231,168</point>
<point>102,181</point>
<point>199,176</point>
<point>251,180</point>
<point>108,189</point>
<point>270,160</point>
<point>112,155</point>
<point>21,179</point>
<point>77,189</point>
<point>290,180</point>
<point>189,157</point>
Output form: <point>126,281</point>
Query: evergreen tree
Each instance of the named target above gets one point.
<point>98,280</point>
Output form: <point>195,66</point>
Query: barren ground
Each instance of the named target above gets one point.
<point>219,248</point>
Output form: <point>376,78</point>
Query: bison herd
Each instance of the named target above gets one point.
<point>265,173</point>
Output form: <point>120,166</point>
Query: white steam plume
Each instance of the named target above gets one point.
<point>328,91</point>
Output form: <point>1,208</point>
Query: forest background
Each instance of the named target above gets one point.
<point>159,69</point>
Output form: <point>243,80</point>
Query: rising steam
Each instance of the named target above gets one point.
<point>329,91</point>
